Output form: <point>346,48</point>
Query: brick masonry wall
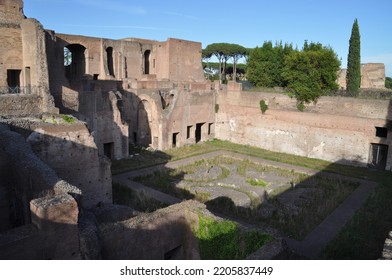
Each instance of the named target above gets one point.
<point>333,129</point>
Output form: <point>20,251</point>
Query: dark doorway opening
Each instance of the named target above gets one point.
<point>109,53</point>
<point>108,149</point>
<point>174,141</point>
<point>135,137</point>
<point>378,156</point>
<point>147,54</point>
<point>198,132</point>
<point>13,80</point>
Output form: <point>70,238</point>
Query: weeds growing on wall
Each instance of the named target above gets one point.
<point>68,119</point>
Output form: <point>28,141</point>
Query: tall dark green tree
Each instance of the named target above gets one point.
<point>353,78</point>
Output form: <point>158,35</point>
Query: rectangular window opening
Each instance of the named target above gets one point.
<point>13,80</point>
<point>381,132</point>
<point>108,149</point>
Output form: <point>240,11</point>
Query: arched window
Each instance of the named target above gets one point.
<point>109,53</point>
<point>147,54</point>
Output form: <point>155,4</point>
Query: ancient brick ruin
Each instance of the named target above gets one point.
<point>54,173</point>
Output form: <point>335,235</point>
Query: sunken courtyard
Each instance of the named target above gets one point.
<point>122,149</point>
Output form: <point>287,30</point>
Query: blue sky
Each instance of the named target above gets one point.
<point>245,22</point>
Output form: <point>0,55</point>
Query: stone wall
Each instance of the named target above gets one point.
<point>71,151</point>
<point>167,117</point>
<point>334,129</point>
<point>53,233</point>
<point>163,234</point>
<point>372,76</point>
<point>10,50</point>
<point>23,178</point>
<point>11,11</point>
<point>13,105</point>
<point>39,216</point>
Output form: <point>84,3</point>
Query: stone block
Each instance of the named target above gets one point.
<point>47,212</point>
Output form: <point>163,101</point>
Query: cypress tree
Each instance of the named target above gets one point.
<point>353,78</point>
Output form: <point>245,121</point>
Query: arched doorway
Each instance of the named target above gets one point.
<point>147,54</point>
<point>74,61</point>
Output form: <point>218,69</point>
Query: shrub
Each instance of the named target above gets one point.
<point>263,106</point>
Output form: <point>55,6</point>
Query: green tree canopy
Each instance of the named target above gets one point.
<point>388,82</point>
<point>353,78</point>
<point>265,64</point>
<point>311,72</point>
<point>223,52</point>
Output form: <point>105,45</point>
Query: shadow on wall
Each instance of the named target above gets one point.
<point>38,210</point>
<point>163,234</point>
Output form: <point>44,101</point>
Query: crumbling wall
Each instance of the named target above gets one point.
<point>333,129</point>
<point>53,233</point>
<point>183,62</point>
<point>167,231</point>
<point>35,65</point>
<point>71,151</point>
<point>191,111</point>
<point>11,11</point>
<point>23,178</point>
<point>372,76</point>
<point>12,105</point>
<point>39,216</point>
